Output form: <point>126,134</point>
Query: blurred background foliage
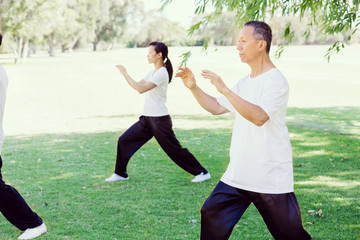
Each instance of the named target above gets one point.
<point>29,26</point>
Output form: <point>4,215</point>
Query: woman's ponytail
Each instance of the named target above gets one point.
<point>161,47</point>
<point>169,68</point>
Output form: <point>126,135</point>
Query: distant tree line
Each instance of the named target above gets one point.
<point>31,25</point>
<point>67,24</point>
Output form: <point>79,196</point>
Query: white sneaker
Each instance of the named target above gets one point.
<point>201,177</point>
<point>32,233</point>
<point>115,178</point>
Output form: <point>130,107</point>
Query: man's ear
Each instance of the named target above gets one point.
<point>262,45</point>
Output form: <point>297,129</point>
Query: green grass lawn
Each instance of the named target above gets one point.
<point>63,116</point>
<point>62,178</point>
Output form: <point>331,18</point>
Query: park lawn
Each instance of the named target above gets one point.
<point>62,178</point>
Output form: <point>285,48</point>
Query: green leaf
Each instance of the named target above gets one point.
<point>166,2</point>
<point>279,51</point>
<point>206,43</point>
<point>335,48</point>
<point>185,57</point>
<point>195,27</point>
<point>197,10</point>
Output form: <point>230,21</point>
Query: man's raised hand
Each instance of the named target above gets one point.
<point>187,77</point>
<point>215,80</point>
<point>122,69</point>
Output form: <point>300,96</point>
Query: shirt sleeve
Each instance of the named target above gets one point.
<point>160,76</point>
<point>147,77</point>
<point>275,96</point>
<point>223,101</point>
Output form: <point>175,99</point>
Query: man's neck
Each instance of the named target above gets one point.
<point>261,65</point>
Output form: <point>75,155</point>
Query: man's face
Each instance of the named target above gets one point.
<point>248,45</point>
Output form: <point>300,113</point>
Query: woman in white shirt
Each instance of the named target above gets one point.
<point>155,120</point>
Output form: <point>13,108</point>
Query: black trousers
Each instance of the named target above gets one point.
<point>15,209</point>
<point>160,128</point>
<point>225,206</point>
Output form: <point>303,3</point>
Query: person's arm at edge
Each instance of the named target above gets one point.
<point>249,111</point>
<point>253,113</point>
<point>206,101</point>
<point>141,86</point>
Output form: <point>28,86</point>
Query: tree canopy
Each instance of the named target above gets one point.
<point>29,25</point>
<point>329,16</point>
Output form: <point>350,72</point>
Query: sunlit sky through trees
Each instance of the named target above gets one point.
<point>179,10</point>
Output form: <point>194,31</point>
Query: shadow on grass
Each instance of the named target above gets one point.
<point>326,168</point>
<point>62,178</point>
<point>339,120</point>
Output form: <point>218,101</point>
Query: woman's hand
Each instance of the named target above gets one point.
<point>216,81</point>
<point>122,69</point>
<point>187,77</point>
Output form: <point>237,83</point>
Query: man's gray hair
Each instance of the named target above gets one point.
<point>262,31</point>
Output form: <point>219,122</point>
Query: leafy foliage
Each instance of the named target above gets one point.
<point>112,19</point>
<point>185,57</point>
<point>332,16</point>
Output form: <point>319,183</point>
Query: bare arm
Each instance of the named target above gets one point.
<point>206,101</point>
<point>141,86</point>
<point>251,112</point>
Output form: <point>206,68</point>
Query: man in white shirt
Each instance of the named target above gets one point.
<point>12,205</point>
<point>260,169</point>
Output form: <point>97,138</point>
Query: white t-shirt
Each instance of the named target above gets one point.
<point>261,157</point>
<point>3,87</point>
<point>155,98</point>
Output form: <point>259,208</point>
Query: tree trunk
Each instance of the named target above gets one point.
<point>32,49</point>
<point>94,46</point>
<point>24,46</point>
<point>73,44</point>
<point>76,45</point>
<point>16,47</point>
<point>51,45</point>
<point>51,50</point>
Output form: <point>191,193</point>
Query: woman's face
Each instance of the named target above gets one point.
<point>153,56</point>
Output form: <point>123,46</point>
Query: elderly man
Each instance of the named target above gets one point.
<point>260,169</point>
<point>12,205</point>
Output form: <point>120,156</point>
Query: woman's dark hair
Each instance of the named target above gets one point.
<point>161,47</point>
<point>262,31</point>
<point>0,39</point>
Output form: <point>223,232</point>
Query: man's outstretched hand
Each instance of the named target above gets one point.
<point>187,77</point>
<point>215,80</point>
<point>122,69</point>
